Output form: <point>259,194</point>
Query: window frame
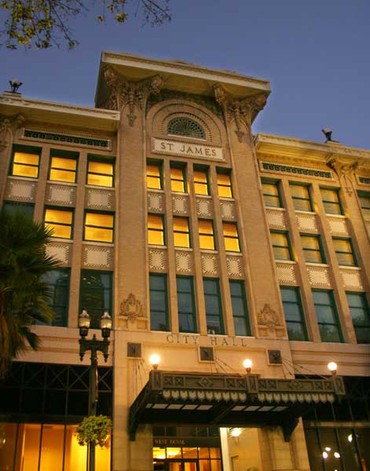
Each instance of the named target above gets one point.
<point>154,230</point>
<point>65,156</point>
<point>365,308</point>
<point>14,206</point>
<point>91,227</point>
<point>106,295</point>
<point>272,196</point>
<point>206,235</point>
<point>222,186</point>
<point>334,310</point>
<point>165,311</point>
<point>177,233</point>
<point>56,224</point>
<point>231,239</point>
<point>339,253</point>
<point>175,181</point>
<point>276,247</point>
<point>60,309</point>
<point>27,150</point>
<point>240,319</point>
<point>184,125</point>
<point>327,203</point>
<point>210,315</point>
<point>308,250</point>
<point>298,199</point>
<point>190,295</point>
<point>201,183</point>
<point>299,311</point>
<point>158,164</point>
<point>100,160</point>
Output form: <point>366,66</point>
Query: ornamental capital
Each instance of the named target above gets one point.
<point>8,124</point>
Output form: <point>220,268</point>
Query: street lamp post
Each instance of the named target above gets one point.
<point>95,346</point>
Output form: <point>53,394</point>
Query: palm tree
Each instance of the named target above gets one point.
<point>23,294</point>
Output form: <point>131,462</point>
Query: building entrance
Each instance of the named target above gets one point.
<point>176,465</point>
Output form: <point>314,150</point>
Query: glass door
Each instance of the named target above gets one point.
<point>182,465</point>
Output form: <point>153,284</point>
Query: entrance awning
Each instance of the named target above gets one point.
<point>229,400</point>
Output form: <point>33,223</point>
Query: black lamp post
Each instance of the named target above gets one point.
<point>95,346</point>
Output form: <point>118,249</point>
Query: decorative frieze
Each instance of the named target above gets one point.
<point>71,139</point>
<point>234,265</point>
<point>184,261</point>
<point>98,257</point>
<point>338,225</point>
<point>318,276</point>
<point>61,251</point>
<point>20,190</point>
<point>287,273</point>
<point>352,278</point>
<point>300,171</point>
<point>157,260</point>
<point>204,207</point>
<point>61,194</point>
<point>156,202</point>
<point>276,218</point>
<point>100,199</point>
<point>228,210</point>
<point>306,222</point>
<point>209,264</point>
<point>180,204</point>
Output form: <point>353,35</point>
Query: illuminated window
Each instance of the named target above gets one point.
<point>344,251</point>
<point>331,201</point>
<point>360,313</point>
<point>186,304</point>
<point>25,162</point>
<point>206,234</point>
<point>96,294</point>
<point>293,311</point>
<point>212,299</point>
<point>100,173</point>
<point>158,302</point>
<point>201,186</point>
<point>327,316</point>
<point>240,309</point>
<point>231,238</point>
<point>155,230</point>
<point>60,221</point>
<point>301,197</point>
<point>154,176</point>
<point>312,249</point>
<point>224,185</point>
<point>63,167</point>
<point>271,194</point>
<point>185,127</point>
<point>280,245</point>
<point>181,232</point>
<point>177,176</point>
<point>98,227</point>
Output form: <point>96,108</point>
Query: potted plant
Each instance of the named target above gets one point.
<point>95,428</point>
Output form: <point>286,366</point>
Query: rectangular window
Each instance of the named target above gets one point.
<point>344,251</point>
<point>360,313</point>
<point>96,294</point>
<point>201,185</point>
<point>17,206</point>
<point>331,201</point>
<point>240,309</point>
<point>181,232</point>
<point>327,316</point>
<point>98,227</point>
<point>177,177</point>
<point>186,304</point>
<point>58,282</point>
<point>271,194</point>
<point>293,311</point>
<point>155,229</point>
<point>158,302</point>
<point>301,197</point>
<point>60,221</point>
<point>154,176</point>
<point>231,237</point>
<point>312,249</point>
<point>206,234</point>
<point>224,185</point>
<point>26,161</point>
<point>100,173</point>
<point>63,166</point>
<point>364,200</point>
<point>212,298</point>
<point>281,246</point>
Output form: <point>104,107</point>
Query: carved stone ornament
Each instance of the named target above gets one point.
<point>132,94</point>
<point>345,171</point>
<point>131,307</point>
<point>242,111</point>
<point>268,317</point>
<point>7,127</point>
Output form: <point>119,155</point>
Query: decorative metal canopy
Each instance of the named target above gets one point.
<point>229,400</point>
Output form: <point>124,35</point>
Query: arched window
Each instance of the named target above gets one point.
<point>185,127</point>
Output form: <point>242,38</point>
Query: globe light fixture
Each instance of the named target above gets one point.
<point>154,360</point>
<point>247,363</point>
<point>332,367</point>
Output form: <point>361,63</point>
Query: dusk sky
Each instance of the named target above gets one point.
<point>315,53</point>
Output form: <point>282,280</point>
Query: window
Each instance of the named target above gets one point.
<point>327,316</point>
<point>344,251</point>
<point>181,232</point>
<point>58,282</point>
<point>206,235</point>
<point>281,246</point>
<point>177,176</point>
<point>301,197</point>
<point>155,230</point>
<point>16,206</point>
<point>331,201</point>
<point>231,238</point>
<point>186,304</point>
<point>60,221</point>
<point>240,309</point>
<point>100,173</point>
<point>154,176</point>
<point>213,306</point>
<point>185,127</point>
<point>312,249</point>
<point>25,162</point>
<point>63,166</point>
<point>158,302</point>
<point>201,186</point>
<point>293,311</point>
<point>98,227</point>
<point>224,185</point>
<point>360,313</point>
<point>96,294</point>
<point>364,200</point>
<point>271,194</point>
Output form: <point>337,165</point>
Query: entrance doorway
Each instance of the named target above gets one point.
<point>176,465</point>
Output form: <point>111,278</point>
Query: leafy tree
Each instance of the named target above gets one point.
<point>44,23</point>
<point>23,294</point>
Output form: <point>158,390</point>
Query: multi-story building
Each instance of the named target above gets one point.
<point>208,246</point>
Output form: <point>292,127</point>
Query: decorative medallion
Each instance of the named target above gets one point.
<point>268,317</point>
<point>131,307</point>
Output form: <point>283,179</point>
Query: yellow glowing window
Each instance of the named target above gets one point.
<point>60,221</point>
<point>154,176</point>
<point>224,185</point>
<point>177,179</point>
<point>155,230</point>
<point>99,227</point>
<point>100,173</point>
<point>231,238</point>
<point>206,234</point>
<point>201,182</point>
<point>181,232</point>
<point>63,169</point>
<point>25,165</point>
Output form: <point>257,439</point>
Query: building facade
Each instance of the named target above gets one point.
<point>208,246</point>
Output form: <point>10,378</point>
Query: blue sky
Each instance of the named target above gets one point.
<point>315,53</point>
